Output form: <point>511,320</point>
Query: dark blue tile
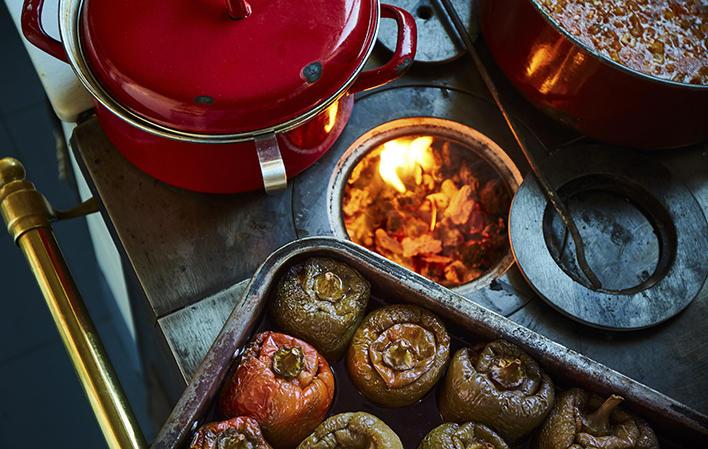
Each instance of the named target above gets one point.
<point>4,440</point>
<point>19,84</point>
<point>25,322</point>
<point>7,148</point>
<point>31,133</point>
<point>41,387</point>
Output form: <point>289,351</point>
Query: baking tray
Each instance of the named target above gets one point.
<point>676,424</point>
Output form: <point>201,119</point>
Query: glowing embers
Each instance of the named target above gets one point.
<point>430,203</point>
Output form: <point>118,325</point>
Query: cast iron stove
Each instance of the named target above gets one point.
<point>187,251</point>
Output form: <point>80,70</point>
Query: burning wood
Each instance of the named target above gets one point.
<point>430,205</point>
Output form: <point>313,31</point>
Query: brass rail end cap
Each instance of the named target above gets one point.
<point>11,170</point>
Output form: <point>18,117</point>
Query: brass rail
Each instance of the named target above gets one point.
<point>28,215</point>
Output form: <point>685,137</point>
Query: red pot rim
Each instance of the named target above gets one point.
<point>175,100</point>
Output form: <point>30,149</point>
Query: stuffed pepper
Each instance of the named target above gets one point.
<point>321,301</point>
<point>398,354</point>
<point>236,433</point>
<point>352,431</point>
<point>498,385</point>
<point>284,384</point>
<point>462,436</point>
<point>582,420</point>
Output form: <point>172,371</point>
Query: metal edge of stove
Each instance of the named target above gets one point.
<point>669,417</point>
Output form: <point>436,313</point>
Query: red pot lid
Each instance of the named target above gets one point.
<point>186,65</point>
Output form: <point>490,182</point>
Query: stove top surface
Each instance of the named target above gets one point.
<point>188,250</point>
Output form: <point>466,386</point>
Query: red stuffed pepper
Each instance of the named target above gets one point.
<point>284,384</point>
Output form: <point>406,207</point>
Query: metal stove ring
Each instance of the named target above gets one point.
<point>485,148</point>
<point>670,207</point>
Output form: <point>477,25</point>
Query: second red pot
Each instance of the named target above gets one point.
<point>585,89</point>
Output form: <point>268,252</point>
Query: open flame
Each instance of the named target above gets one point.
<point>332,112</point>
<point>430,204</point>
<point>405,157</point>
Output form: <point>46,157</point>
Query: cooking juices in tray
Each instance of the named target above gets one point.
<point>664,38</point>
<point>403,381</point>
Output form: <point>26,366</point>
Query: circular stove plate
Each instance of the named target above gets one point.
<point>437,40</point>
<point>677,220</point>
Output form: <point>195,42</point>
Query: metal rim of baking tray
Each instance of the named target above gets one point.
<point>469,138</point>
<point>669,206</point>
<point>561,362</point>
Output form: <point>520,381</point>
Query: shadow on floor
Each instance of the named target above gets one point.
<point>41,401</point>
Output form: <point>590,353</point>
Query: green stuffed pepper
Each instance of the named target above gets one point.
<point>462,436</point>
<point>398,354</point>
<point>582,420</point>
<point>321,301</point>
<point>352,431</point>
<point>498,385</point>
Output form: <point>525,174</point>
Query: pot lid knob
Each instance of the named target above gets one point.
<point>238,9</point>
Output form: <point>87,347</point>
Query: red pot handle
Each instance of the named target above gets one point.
<point>34,32</point>
<point>402,57</point>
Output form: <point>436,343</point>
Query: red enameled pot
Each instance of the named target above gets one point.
<point>223,96</point>
<point>585,89</point>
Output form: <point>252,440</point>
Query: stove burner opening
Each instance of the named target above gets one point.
<point>431,195</point>
<point>630,238</point>
<point>424,12</point>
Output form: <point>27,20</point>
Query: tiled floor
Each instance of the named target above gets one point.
<point>41,402</point>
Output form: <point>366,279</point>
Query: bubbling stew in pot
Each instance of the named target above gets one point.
<point>663,38</point>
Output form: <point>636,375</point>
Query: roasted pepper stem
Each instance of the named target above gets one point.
<point>288,362</point>
<point>508,373</point>
<point>400,356</point>
<point>231,439</point>
<point>329,286</point>
<point>598,423</point>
